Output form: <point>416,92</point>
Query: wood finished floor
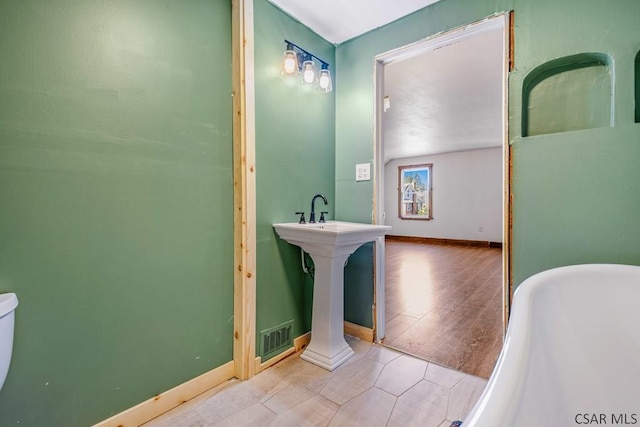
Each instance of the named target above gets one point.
<point>444,303</point>
<point>378,387</point>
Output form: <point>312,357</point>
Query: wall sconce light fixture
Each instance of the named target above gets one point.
<point>290,61</point>
<point>297,61</point>
<point>386,103</point>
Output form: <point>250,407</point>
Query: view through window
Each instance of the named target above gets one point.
<point>414,198</point>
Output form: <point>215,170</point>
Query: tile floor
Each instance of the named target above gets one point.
<point>376,387</point>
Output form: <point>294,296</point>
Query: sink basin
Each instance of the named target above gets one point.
<point>329,236</point>
<point>329,245</point>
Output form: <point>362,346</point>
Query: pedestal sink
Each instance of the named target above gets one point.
<point>329,245</point>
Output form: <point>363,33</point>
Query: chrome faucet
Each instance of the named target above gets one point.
<point>312,216</point>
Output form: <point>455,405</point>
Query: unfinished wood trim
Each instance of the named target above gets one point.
<point>302,341</point>
<point>432,240</point>
<point>298,344</point>
<point>168,400</point>
<point>275,359</point>
<point>361,332</point>
<point>510,41</point>
<point>244,198</point>
<point>507,196</point>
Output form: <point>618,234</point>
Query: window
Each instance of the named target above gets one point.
<point>414,192</point>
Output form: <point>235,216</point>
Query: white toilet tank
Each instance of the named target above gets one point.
<point>8,304</point>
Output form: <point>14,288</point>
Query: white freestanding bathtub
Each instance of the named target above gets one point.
<point>572,352</point>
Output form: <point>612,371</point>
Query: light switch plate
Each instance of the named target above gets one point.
<point>363,172</point>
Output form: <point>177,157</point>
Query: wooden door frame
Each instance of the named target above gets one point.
<point>505,21</point>
<point>244,190</point>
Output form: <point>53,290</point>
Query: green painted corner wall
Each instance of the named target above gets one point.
<point>575,193</point>
<point>295,159</point>
<point>116,194</point>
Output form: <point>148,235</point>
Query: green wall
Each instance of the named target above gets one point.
<point>576,193</point>
<point>295,155</point>
<point>115,202</point>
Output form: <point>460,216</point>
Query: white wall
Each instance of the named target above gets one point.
<point>467,195</point>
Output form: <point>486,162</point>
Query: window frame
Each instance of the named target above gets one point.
<point>402,169</point>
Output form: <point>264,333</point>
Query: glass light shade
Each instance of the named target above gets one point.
<point>308,72</point>
<point>324,80</point>
<point>289,63</point>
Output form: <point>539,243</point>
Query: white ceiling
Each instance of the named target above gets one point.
<point>443,100</point>
<point>447,99</point>
<point>340,20</point>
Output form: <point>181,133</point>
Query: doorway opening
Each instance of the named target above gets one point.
<point>442,288</point>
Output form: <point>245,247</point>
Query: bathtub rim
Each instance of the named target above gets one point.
<point>505,383</point>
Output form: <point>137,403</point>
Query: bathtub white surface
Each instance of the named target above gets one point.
<point>572,351</point>
<point>8,303</point>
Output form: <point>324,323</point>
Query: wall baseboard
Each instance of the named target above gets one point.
<point>275,359</point>
<point>417,239</point>
<point>361,332</point>
<point>298,344</point>
<point>163,402</point>
<point>302,341</point>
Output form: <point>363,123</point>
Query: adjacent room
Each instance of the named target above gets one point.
<point>443,133</point>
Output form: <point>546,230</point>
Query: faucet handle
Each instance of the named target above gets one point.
<point>322,216</point>
<point>302,220</point>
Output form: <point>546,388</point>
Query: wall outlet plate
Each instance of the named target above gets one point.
<point>363,172</point>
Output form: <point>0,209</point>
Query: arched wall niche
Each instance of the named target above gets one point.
<point>569,93</point>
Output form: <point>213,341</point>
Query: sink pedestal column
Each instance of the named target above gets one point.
<point>329,245</point>
<point>328,348</point>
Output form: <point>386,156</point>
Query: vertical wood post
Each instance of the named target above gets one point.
<point>244,182</point>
